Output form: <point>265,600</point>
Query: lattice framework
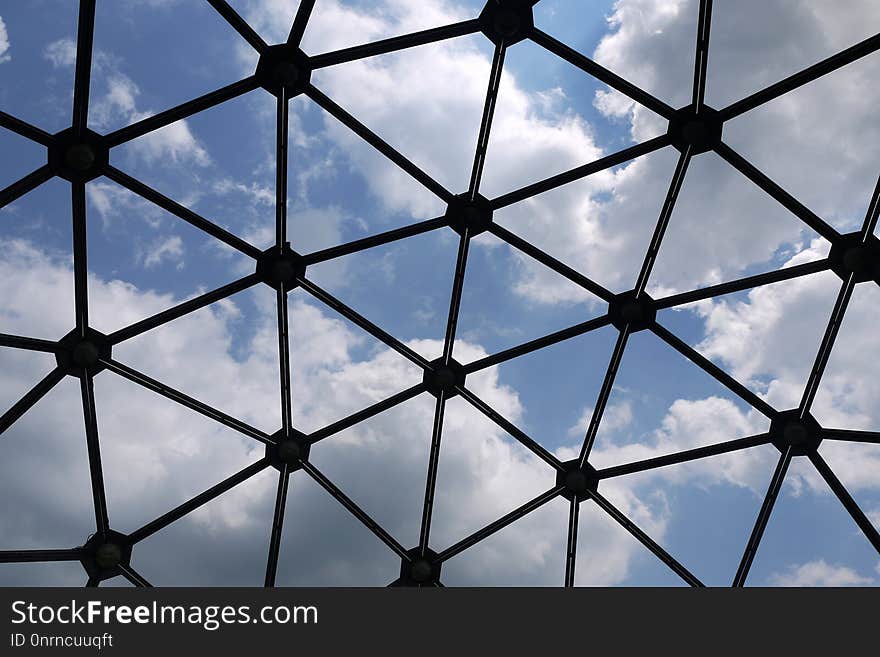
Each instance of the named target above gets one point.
<point>79,155</point>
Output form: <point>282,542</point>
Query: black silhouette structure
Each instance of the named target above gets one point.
<point>79,155</point>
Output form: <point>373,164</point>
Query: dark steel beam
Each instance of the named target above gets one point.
<point>199,500</point>
<point>33,556</point>
<point>785,199</point>
<point>713,370</point>
<point>801,78</point>
<point>181,309</point>
<point>180,112</point>
<point>431,479</point>
<point>571,541</point>
<point>24,185</point>
<point>300,22</point>
<point>31,344</point>
<point>684,456</point>
<point>763,516</point>
<point>550,262</point>
<point>277,525</point>
<point>185,400</point>
<point>538,343</point>
<point>601,73</point>
<point>395,43</point>
<point>354,509</point>
<point>701,59</point>
<point>85,33</point>
<point>99,497</point>
<point>566,177</point>
<point>366,413</point>
<point>481,534</point>
<point>33,395</point>
<point>377,142</point>
<point>186,214</point>
<point>486,121</point>
<point>239,25</point>
<point>746,283</point>
<point>25,129</point>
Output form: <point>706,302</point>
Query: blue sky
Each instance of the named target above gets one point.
<point>153,55</point>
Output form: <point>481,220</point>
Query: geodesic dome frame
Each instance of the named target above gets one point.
<point>79,155</point>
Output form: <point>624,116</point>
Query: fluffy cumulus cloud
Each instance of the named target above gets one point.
<point>4,43</point>
<point>819,573</point>
<point>61,53</point>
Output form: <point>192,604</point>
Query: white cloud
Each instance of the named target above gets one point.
<point>61,53</point>
<point>4,43</point>
<point>819,573</point>
<point>167,249</point>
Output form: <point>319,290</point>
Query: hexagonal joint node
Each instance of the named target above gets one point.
<point>473,215</point>
<point>419,569</point>
<point>639,312</point>
<point>699,130</point>
<point>507,21</point>
<point>850,254</point>
<point>289,450</point>
<point>281,267</point>
<point>577,481</point>
<point>78,157</point>
<point>444,377</point>
<point>78,354</point>
<point>104,553</point>
<point>284,67</point>
<point>789,429</point>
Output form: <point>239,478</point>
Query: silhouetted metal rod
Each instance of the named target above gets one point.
<point>743,283</point>
<point>134,576</point>
<point>182,111</point>
<point>455,296</point>
<point>395,43</point>
<point>199,500</point>
<point>601,73</point>
<point>80,258</point>
<point>701,59</point>
<point>604,394</point>
<point>510,428</point>
<point>363,414</point>
<point>486,122</point>
<point>32,556</point>
<point>571,542</point>
<point>281,170</point>
<point>185,400</point>
<point>94,449</point>
<point>873,213</point>
<point>30,398</point>
<point>277,525</point>
<point>85,33</point>
<point>850,435</point>
<point>644,539</point>
<point>685,456</point>
<point>846,499</point>
<point>238,23</point>
<point>93,582</point>
<point>32,344</point>
<point>186,214</point>
<point>538,343</point>
<point>374,240</point>
<point>22,186</point>
<point>377,142</point>
<point>431,479</point>
<point>182,309</point>
<point>788,201</point>
<point>801,78</point>
<point>284,360</point>
<point>355,317</point>
<point>579,172</point>
<point>549,261</point>
<point>663,221</point>
<point>831,331</point>
<point>355,510</point>
<point>501,523</point>
<point>300,22</point>
<point>25,129</point>
<point>763,516</point>
<point>713,370</point>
